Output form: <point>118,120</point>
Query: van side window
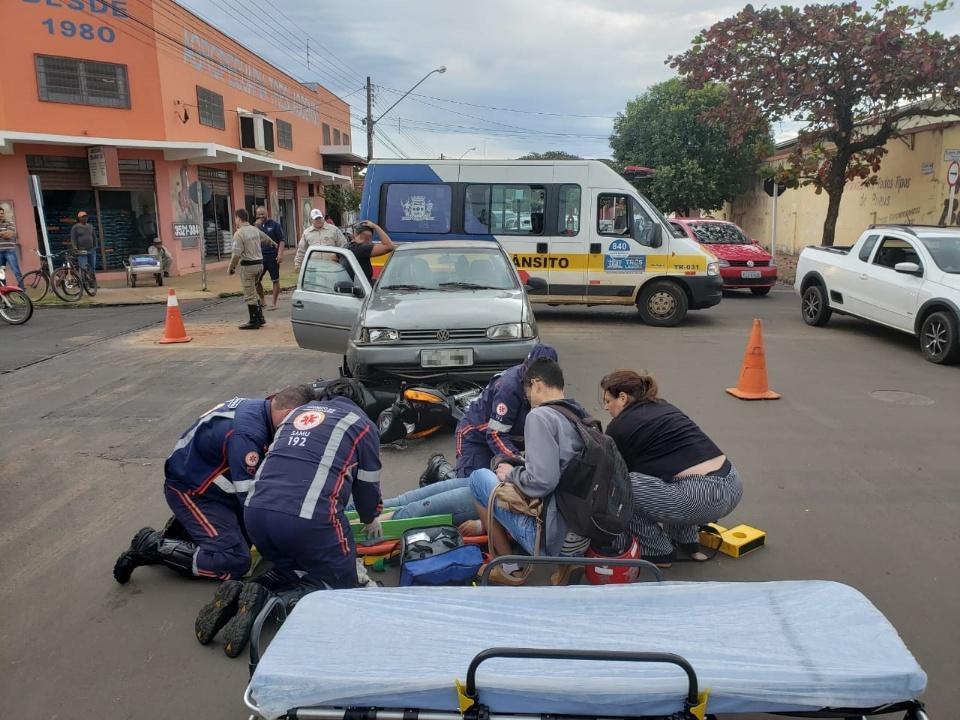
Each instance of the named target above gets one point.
<point>613,215</point>
<point>868,247</point>
<point>569,220</point>
<point>417,208</point>
<point>504,209</point>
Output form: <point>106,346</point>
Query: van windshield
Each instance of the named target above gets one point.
<point>719,234</point>
<point>453,269</point>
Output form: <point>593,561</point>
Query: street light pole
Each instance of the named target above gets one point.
<point>371,123</point>
<point>466,151</point>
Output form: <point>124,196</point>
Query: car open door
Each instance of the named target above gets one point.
<point>329,296</point>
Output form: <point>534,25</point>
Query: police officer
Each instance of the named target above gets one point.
<point>248,254</point>
<point>207,479</point>
<point>486,428</point>
<point>324,452</point>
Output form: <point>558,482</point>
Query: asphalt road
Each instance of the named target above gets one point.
<point>852,483</point>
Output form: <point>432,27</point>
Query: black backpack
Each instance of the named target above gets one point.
<point>594,494</point>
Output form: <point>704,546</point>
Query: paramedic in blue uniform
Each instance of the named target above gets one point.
<point>490,421</point>
<point>208,475</point>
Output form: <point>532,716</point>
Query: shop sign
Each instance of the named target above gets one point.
<point>187,233</point>
<point>951,155</point>
<point>104,166</point>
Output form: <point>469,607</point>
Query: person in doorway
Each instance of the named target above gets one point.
<point>83,239</point>
<point>247,254</point>
<point>207,477</point>
<point>8,246</point>
<point>680,478</point>
<point>147,224</point>
<point>319,233</point>
<point>162,255</point>
<point>324,452</point>
<point>272,256</point>
<point>364,248</point>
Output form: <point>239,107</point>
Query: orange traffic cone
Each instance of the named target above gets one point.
<point>173,331</point>
<point>752,384</point>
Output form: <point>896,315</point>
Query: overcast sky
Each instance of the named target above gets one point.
<point>569,65</point>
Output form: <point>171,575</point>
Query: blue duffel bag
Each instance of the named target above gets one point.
<point>437,556</point>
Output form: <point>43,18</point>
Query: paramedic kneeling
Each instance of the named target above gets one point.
<point>679,477</point>
<point>551,441</point>
<point>207,477</point>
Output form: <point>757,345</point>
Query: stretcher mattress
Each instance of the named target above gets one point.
<point>758,647</point>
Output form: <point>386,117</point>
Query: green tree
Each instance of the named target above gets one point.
<point>696,164</point>
<point>550,155</point>
<point>852,75</point>
<point>340,199</point>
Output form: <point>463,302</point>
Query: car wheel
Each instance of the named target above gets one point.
<point>761,291</point>
<point>814,307</point>
<point>938,338</point>
<point>662,303</point>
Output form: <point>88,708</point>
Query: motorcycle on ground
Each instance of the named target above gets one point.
<point>15,305</point>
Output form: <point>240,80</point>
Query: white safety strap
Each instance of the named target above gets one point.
<point>326,463</point>
<point>371,476</point>
<point>188,438</point>
<point>240,486</point>
<point>497,426</point>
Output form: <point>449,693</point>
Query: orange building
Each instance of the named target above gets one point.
<point>155,124</point>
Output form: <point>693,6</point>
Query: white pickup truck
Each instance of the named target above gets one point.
<point>903,276</point>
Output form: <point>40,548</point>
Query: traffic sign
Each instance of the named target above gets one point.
<point>953,174</point>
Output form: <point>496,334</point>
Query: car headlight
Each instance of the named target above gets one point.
<point>723,263</point>
<point>379,335</point>
<point>510,331</point>
<point>713,269</point>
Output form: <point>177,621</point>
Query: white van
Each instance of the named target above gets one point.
<point>576,224</point>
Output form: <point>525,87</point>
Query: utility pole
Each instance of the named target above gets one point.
<point>369,122</point>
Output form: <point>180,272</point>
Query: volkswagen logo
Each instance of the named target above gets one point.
<point>749,263</point>
<point>443,335</point>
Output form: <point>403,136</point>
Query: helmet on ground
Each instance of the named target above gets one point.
<point>612,574</point>
<point>541,350</point>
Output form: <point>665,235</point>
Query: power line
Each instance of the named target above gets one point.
<point>468,129</point>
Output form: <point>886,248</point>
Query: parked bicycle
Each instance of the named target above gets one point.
<point>66,280</point>
<point>15,305</point>
<point>88,278</point>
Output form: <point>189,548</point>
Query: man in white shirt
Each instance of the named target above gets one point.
<point>158,251</point>
<point>319,233</point>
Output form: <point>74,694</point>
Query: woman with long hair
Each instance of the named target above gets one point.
<point>680,478</point>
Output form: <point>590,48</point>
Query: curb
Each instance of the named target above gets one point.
<point>86,304</point>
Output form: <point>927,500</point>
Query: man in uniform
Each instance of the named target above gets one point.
<point>489,423</point>
<point>207,478</point>
<point>247,253</point>
<point>324,452</point>
<point>319,233</point>
<point>272,256</point>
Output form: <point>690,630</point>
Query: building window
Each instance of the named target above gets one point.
<point>346,139</point>
<point>326,134</point>
<point>210,105</point>
<point>336,136</point>
<point>284,134</point>
<point>82,82</point>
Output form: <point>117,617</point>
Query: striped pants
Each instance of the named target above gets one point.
<point>669,512</point>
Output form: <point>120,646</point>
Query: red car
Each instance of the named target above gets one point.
<point>743,263</point>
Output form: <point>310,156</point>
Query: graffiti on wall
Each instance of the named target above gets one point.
<point>183,195</point>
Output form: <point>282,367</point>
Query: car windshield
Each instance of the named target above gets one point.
<point>718,234</point>
<point>453,269</point>
<point>945,252</point>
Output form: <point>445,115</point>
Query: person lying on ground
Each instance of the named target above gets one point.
<point>325,451</point>
<point>679,477</point>
<point>206,479</point>
<point>490,423</point>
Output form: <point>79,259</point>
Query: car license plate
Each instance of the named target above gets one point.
<point>750,274</point>
<point>452,357</point>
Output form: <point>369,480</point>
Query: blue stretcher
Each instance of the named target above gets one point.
<point>804,649</point>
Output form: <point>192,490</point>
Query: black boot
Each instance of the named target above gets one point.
<point>260,319</point>
<point>217,613</point>
<point>251,324</point>
<point>438,468</point>
<point>236,633</point>
<point>174,530</point>
<point>177,555</point>
<point>142,551</point>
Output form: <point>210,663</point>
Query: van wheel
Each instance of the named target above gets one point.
<point>814,307</point>
<point>662,303</point>
<point>938,338</point>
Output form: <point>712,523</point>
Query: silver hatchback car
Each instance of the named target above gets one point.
<point>445,308</point>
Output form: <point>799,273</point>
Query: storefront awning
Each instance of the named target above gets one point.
<point>196,153</point>
<point>342,154</point>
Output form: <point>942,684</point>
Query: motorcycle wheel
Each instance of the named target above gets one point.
<point>16,307</point>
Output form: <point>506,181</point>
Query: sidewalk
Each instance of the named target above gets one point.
<point>219,285</point>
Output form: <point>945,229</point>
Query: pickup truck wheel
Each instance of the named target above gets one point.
<point>938,338</point>
<point>760,291</point>
<point>662,303</point>
<point>814,307</point>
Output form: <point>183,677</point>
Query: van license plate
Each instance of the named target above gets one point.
<point>452,357</point>
<point>750,274</point>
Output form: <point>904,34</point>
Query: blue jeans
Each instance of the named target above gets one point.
<point>90,257</point>
<point>447,497</point>
<point>9,258</point>
<point>521,528</point>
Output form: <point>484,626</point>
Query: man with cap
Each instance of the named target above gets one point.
<point>363,248</point>
<point>83,238</point>
<point>162,255</point>
<point>489,424</point>
<point>319,233</point>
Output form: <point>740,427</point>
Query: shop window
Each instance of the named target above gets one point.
<point>284,134</point>
<point>326,134</point>
<point>210,107</point>
<point>569,219</point>
<point>504,209</point>
<point>418,208</point>
<point>82,82</point>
